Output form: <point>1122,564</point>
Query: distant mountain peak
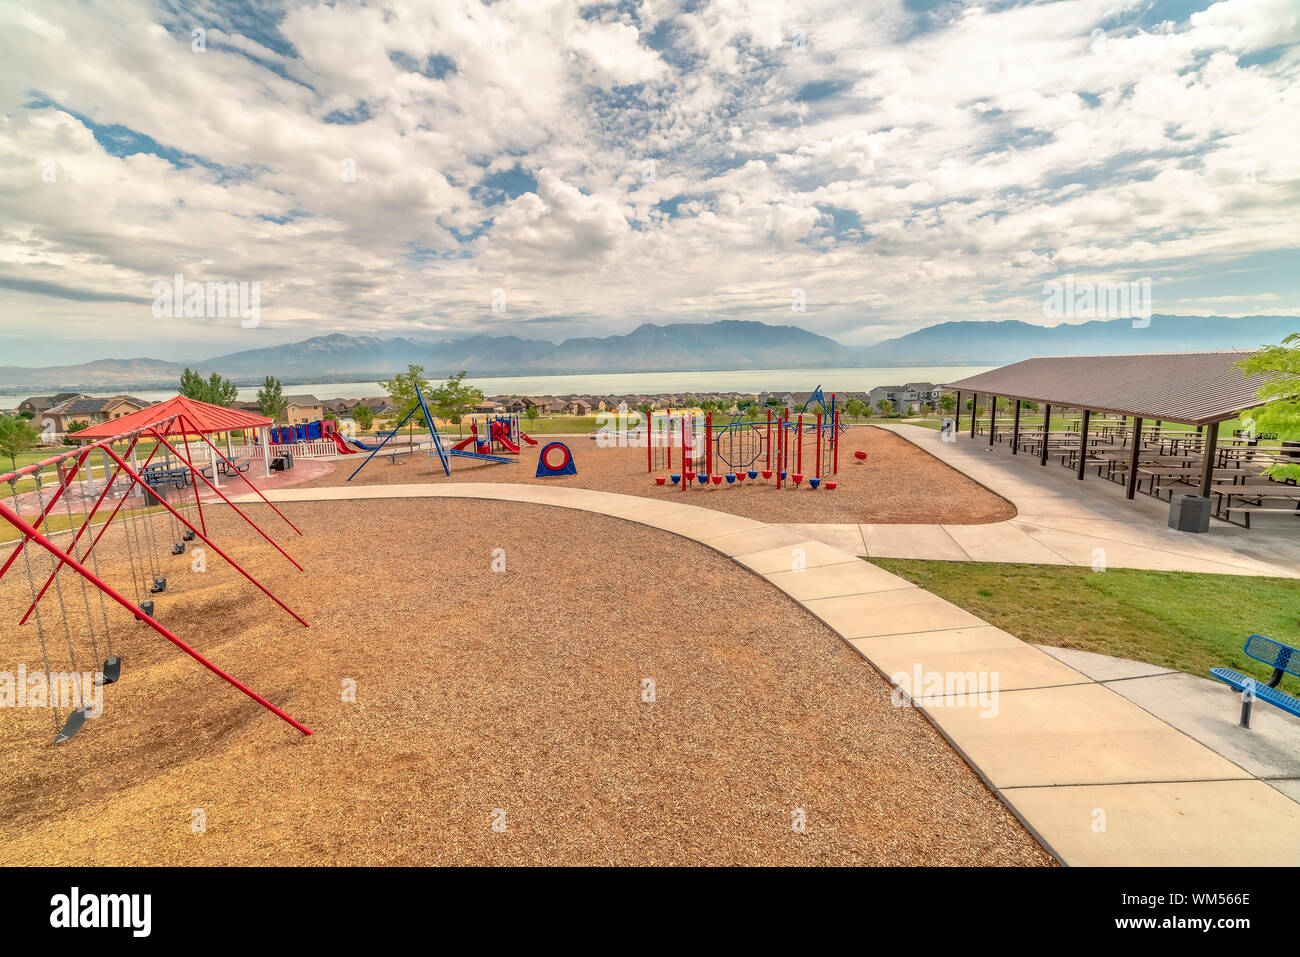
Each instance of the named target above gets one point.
<point>681,346</point>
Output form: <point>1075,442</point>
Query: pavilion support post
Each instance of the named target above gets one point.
<point>1133,457</point>
<point>957,422</point>
<point>1015,430</point>
<point>974,412</point>
<point>1207,466</point>
<point>1047,425</point>
<point>1083,444</point>
<point>265,432</point>
<point>993,420</point>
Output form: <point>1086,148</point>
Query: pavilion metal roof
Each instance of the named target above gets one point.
<point>200,418</point>
<point>1192,388</point>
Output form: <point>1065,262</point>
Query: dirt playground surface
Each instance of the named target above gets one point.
<point>898,482</point>
<point>476,691</point>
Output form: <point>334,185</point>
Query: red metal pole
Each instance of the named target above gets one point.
<point>208,542</point>
<point>780,455</point>
<point>769,438</point>
<point>649,446</point>
<point>686,478</point>
<point>835,438</point>
<point>31,533</point>
<point>798,453</point>
<point>668,437</point>
<point>819,445</point>
<point>708,443</point>
<point>242,475</point>
<point>200,475</point>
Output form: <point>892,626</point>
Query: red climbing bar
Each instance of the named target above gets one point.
<point>33,535</point>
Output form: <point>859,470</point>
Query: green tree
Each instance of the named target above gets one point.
<point>401,390</point>
<point>362,416</point>
<point>270,399</point>
<point>856,408</point>
<point>752,410</point>
<point>27,414</point>
<point>947,403</point>
<point>77,425</point>
<point>214,390</point>
<point>772,402</point>
<point>532,412</point>
<point>17,435</point>
<point>1280,365</point>
<point>885,406</point>
<point>453,400</point>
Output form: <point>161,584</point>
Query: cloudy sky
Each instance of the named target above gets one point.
<point>397,167</point>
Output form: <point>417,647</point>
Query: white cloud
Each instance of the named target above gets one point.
<point>965,155</point>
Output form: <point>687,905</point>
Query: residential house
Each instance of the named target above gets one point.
<point>301,409</point>
<point>521,404</point>
<point>908,398</point>
<point>92,410</point>
<point>40,403</point>
<point>574,406</point>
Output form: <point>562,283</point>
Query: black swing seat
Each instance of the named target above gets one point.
<point>189,535</point>
<point>112,670</point>
<point>178,548</point>
<point>159,584</point>
<point>147,607</point>
<point>70,727</point>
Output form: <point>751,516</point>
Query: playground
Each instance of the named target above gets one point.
<point>896,483</point>
<point>379,665</point>
<point>505,691</point>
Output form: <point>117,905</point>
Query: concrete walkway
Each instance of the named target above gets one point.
<point>1094,774</point>
<point>1062,521</point>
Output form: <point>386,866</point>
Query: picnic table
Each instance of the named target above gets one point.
<point>1155,473</point>
<point>225,468</point>
<point>164,473</point>
<point>1253,498</point>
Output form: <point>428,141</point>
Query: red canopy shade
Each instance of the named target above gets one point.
<point>201,418</point>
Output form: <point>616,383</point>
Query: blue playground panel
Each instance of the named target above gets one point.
<point>481,456</point>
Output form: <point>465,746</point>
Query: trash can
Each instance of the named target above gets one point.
<point>1189,513</point>
<point>288,459</point>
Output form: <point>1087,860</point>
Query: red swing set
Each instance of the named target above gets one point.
<point>128,479</point>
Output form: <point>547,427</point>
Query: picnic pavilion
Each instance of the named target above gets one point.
<point>192,418</point>
<point>1116,413</point>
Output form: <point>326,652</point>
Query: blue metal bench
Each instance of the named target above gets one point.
<point>1283,659</point>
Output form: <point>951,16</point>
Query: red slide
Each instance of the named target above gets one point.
<point>465,443</point>
<point>527,438</point>
<point>501,434</point>
<point>342,446</point>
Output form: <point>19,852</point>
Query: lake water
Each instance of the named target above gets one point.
<point>748,380</point>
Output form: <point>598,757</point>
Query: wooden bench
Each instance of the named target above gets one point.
<point>1283,659</point>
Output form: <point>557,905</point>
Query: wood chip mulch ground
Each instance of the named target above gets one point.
<point>480,692</point>
<point>898,483</point>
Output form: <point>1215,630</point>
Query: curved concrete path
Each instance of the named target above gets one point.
<point>1096,777</point>
<point>1061,521</point>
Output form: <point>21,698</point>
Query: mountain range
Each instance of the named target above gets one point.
<point>680,347</point>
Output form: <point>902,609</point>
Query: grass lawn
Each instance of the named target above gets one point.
<point>1181,620</point>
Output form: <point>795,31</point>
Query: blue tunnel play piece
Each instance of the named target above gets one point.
<point>548,467</point>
